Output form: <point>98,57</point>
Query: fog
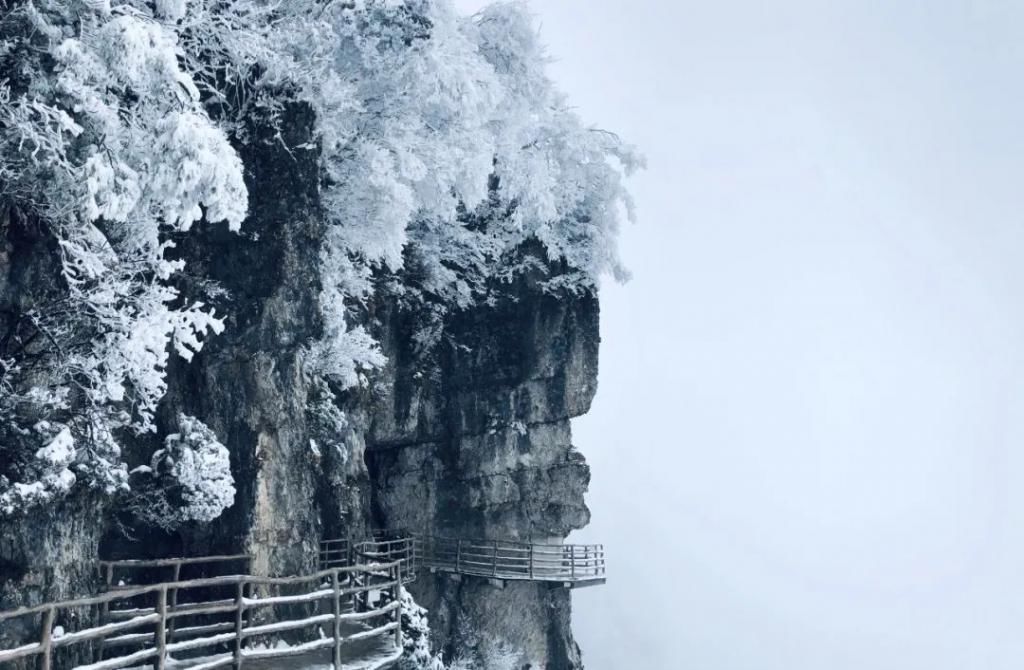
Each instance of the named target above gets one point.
<point>806,444</point>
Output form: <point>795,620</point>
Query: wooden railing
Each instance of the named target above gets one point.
<point>119,575</point>
<point>574,564</point>
<point>331,608</point>
<point>212,617</point>
<point>128,570</point>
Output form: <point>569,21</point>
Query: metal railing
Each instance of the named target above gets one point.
<point>574,564</point>
<point>332,608</point>
<point>335,553</point>
<point>383,551</point>
<point>569,563</point>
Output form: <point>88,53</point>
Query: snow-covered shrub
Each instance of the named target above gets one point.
<point>188,480</point>
<point>417,653</point>
<point>327,424</point>
<point>50,471</point>
<point>483,652</point>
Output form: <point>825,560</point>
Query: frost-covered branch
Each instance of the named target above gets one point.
<point>104,148</point>
<point>444,151</point>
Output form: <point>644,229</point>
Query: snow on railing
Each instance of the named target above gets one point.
<point>126,573</point>
<point>381,547</point>
<point>327,610</point>
<point>126,569</point>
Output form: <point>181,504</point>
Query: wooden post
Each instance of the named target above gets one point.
<point>336,585</point>
<point>239,611</point>
<point>46,639</point>
<point>458,556</point>
<point>494,558</point>
<point>174,602</point>
<point>572,560</point>
<point>161,629</point>
<point>531,561</point>
<point>397,594</point>
<point>105,607</point>
<point>415,555</point>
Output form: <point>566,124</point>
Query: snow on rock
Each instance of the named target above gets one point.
<point>51,475</point>
<point>427,124</point>
<point>61,449</point>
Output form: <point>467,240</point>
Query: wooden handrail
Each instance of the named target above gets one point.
<point>170,562</point>
<point>378,576</point>
<point>382,564</point>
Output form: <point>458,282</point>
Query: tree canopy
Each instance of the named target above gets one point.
<point>440,141</point>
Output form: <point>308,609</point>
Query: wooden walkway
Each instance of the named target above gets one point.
<point>172,615</point>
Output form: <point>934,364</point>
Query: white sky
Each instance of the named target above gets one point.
<point>806,447</point>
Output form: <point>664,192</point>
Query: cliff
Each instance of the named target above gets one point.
<point>467,438</point>
<point>475,442</point>
<point>384,316</point>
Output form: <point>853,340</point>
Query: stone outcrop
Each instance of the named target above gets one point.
<point>476,443</point>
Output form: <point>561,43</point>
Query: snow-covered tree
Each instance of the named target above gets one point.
<point>444,149</point>
<point>455,150</point>
<point>417,653</point>
<point>105,146</point>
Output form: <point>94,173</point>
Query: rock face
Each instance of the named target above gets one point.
<point>476,443</point>
<point>249,384</point>
<point>468,437</point>
<point>45,554</point>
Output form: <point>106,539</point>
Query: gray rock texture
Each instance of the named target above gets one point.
<point>475,442</point>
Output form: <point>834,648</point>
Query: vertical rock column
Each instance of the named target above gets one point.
<point>249,384</point>
<point>474,441</point>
